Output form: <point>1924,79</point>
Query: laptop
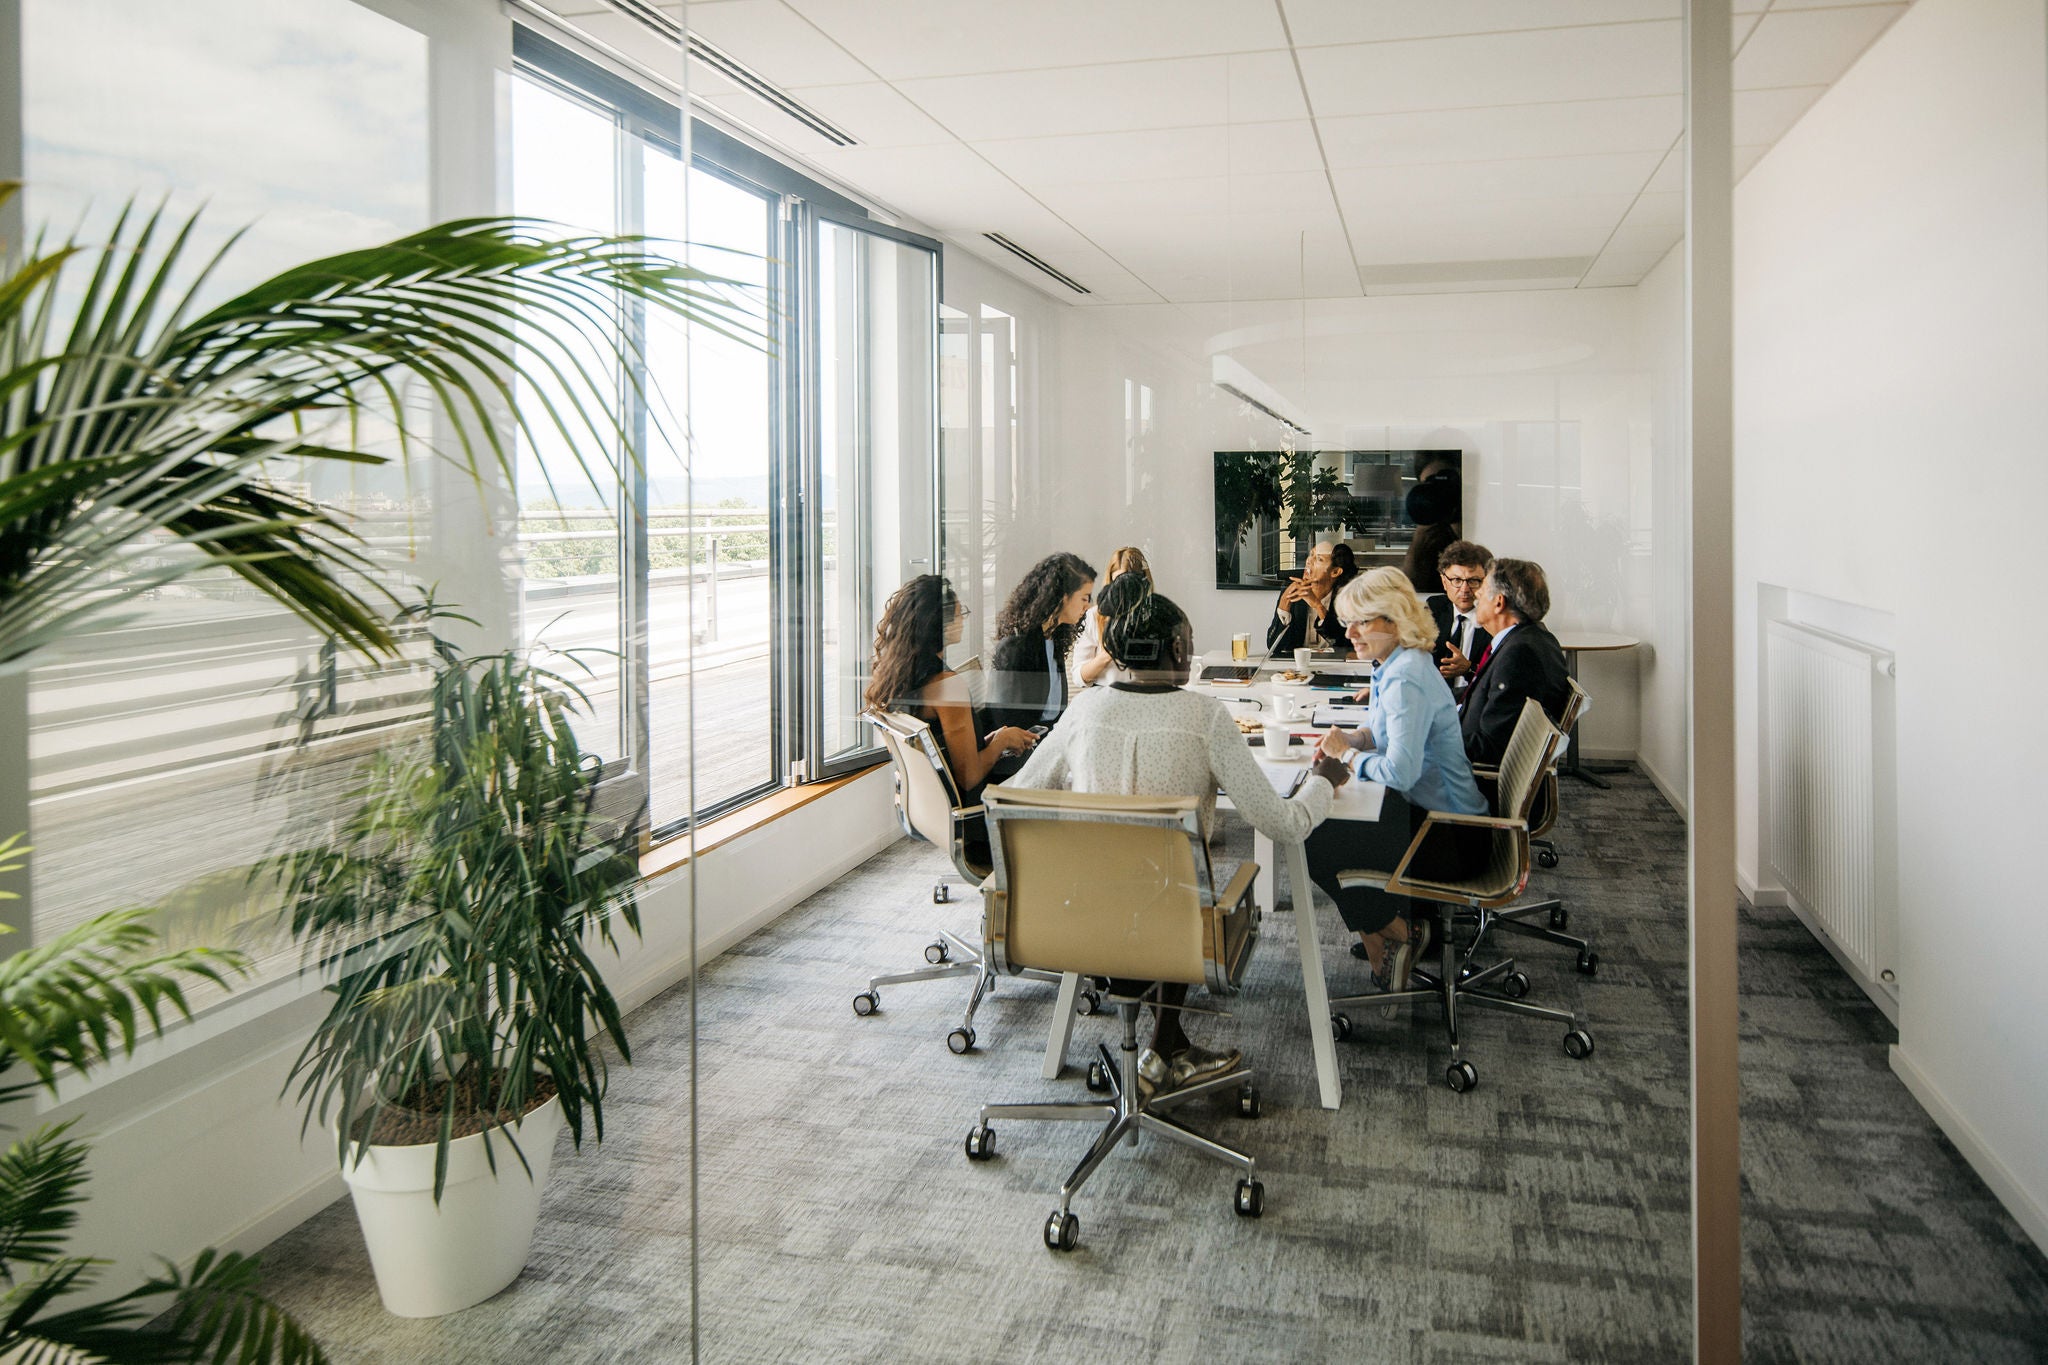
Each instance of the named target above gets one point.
<point>1237,674</point>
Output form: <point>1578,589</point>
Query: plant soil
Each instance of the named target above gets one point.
<point>416,1118</point>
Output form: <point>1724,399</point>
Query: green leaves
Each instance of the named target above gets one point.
<point>458,903</point>
<point>125,424</point>
<point>42,1182</point>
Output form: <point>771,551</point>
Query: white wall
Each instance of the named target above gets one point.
<point>1891,397</point>
<point>1660,342</point>
<point>1431,369</point>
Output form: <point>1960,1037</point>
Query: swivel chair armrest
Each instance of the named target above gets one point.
<point>1486,772</point>
<point>1353,879</point>
<point>1239,888</point>
<point>1441,817</point>
<point>964,812</point>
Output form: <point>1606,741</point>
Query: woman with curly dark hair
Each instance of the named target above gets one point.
<point>1034,632</point>
<point>910,675</point>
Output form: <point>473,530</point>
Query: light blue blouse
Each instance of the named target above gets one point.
<point>1418,749</point>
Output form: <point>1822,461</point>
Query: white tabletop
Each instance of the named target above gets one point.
<point>1592,640</point>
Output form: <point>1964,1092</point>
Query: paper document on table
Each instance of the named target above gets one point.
<point>1286,778</point>
<point>1337,714</point>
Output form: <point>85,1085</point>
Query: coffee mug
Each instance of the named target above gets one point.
<point>1277,739</point>
<point>1303,657</point>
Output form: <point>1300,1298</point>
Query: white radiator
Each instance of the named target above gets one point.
<point>1831,822</point>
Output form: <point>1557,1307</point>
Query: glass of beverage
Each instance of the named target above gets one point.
<point>1240,647</point>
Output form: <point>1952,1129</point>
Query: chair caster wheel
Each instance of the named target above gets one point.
<point>1546,858</point>
<point>1098,1077</point>
<point>1589,963</point>
<point>1251,1199</point>
<point>1062,1231</point>
<point>938,952</point>
<point>1087,1003</point>
<point>942,894</point>
<point>1578,1043</point>
<point>981,1142</point>
<point>866,1003</point>
<point>1248,1102</point>
<point>1461,1076</point>
<point>961,1041</point>
<point>1514,985</point>
<point>1560,918</point>
<point>1340,1027</point>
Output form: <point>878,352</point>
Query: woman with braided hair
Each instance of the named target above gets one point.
<point>1145,735</point>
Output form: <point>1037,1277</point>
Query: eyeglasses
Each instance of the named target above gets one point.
<point>1459,581</point>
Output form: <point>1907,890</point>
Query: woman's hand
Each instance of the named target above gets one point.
<point>1332,769</point>
<point>1014,739</point>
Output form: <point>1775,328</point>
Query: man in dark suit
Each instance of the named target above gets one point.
<point>1523,659</point>
<point>1459,637</point>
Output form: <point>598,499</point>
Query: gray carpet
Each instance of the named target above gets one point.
<point>1542,1217</point>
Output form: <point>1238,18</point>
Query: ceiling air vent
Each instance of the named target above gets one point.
<point>1021,254</point>
<point>647,16</point>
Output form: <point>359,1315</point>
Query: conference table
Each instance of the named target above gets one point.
<point>1355,800</point>
<point>1574,643</point>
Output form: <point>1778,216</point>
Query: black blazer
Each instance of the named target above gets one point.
<point>1301,628</point>
<point>1528,663</point>
<point>1440,608</point>
<point>1019,684</point>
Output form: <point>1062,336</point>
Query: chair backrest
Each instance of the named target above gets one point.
<point>1107,886</point>
<point>1530,749</point>
<point>1573,705</point>
<point>925,794</point>
<point>1504,871</point>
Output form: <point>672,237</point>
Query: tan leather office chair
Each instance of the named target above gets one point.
<point>1117,886</point>
<point>1521,919</point>
<point>928,807</point>
<point>1471,898</point>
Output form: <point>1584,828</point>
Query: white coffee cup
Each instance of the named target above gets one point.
<point>1277,739</point>
<point>1303,657</point>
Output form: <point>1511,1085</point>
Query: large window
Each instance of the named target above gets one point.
<point>735,580</point>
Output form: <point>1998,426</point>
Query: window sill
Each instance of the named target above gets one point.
<point>675,853</point>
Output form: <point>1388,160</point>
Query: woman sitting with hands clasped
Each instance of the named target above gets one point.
<point>1411,742</point>
<point>1145,735</point>
<point>910,675</point>
<point>1304,615</point>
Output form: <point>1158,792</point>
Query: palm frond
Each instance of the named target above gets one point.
<point>127,423</point>
<point>81,998</point>
<point>42,1183</point>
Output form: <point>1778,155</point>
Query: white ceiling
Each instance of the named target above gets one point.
<point>1191,151</point>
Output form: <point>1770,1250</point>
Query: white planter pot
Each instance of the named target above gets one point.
<point>433,1259</point>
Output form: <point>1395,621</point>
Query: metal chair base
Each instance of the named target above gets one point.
<point>1124,1115</point>
<point>956,957</point>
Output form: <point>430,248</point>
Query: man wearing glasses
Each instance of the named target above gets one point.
<point>1459,637</point>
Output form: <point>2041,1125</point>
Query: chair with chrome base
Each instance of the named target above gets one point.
<point>1469,903</point>
<point>928,807</point>
<point>1116,886</point>
<point>1520,919</point>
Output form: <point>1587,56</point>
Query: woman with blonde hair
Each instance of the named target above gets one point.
<point>1091,661</point>
<point>1411,742</point>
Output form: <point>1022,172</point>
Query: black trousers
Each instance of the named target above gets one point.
<point>1343,845</point>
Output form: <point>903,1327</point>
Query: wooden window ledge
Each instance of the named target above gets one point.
<point>675,852</point>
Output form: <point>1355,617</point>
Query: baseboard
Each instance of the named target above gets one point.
<point>286,1214</point>
<point>1760,895</point>
<point>2026,1210</point>
<point>1663,785</point>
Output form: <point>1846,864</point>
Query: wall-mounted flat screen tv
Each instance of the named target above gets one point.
<point>1398,507</point>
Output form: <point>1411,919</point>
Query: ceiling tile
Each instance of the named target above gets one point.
<point>1545,65</point>
<point>777,43</point>
<point>926,38</point>
<point>1618,173</point>
<point>1191,207</point>
<point>1106,280</point>
<point>1764,116</point>
<point>874,113</point>
<point>1746,159</point>
<point>1158,154</point>
<point>1318,23</point>
<point>1621,268</point>
<point>1498,230</point>
<point>752,112</point>
<point>945,186</point>
<point>1258,87</point>
<point>1581,128</point>
<point>1809,47</point>
<point>636,41</point>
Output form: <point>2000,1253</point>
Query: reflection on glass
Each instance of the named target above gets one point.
<point>711,575</point>
<point>147,737</point>
<point>565,170</point>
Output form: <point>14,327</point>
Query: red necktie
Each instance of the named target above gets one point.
<point>1484,655</point>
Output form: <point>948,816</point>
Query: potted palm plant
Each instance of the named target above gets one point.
<point>458,899</point>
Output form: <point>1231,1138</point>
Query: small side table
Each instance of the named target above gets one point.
<point>1575,642</point>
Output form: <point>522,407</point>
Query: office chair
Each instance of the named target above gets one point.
<point>1520,918</point>
<point>928,807</point>
<point>1115,886</point>
<point>1470,900</point>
